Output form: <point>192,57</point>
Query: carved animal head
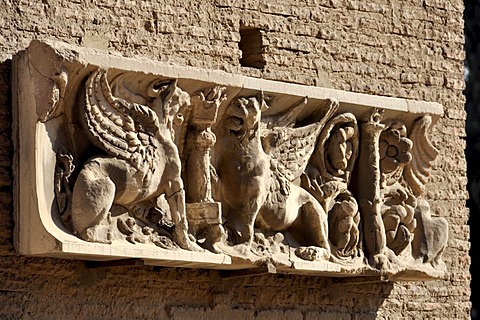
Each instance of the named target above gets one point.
<point>243,114</point>
<point>170,102</point>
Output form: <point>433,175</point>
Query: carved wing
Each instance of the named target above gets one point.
<point>293,147</point>
<point>123,129</point>
<point>417,171</point>
<point>278,192</point>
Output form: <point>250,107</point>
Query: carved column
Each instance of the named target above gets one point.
<point>202,140</point>
<point>369,188</point>
<point>204,214</point>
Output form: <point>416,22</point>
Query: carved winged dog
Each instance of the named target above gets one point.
<point>142,162</point>
<point>257,168</point>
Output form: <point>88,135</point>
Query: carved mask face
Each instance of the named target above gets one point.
<point>242,115</point>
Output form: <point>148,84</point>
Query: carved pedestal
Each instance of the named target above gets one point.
<point>205,220</point>
<point>121,158</point>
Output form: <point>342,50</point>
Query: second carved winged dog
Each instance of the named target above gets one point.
<point>258,188</point>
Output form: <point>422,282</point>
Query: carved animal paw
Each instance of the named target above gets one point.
<point>216,236</point>
<point>99,233</point>
<point>193,246</point>
<point>380,261</point>
<point>187,242</point>
<point>312,253</point>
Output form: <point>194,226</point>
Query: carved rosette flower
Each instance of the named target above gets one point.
<point>398,202</point>
<point>394,148</point>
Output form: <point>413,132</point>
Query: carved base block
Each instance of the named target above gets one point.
<point>204,213</point>
<point>205,220</point>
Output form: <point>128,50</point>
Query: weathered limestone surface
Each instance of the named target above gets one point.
<point>173,165</point>
<point>405,50</point>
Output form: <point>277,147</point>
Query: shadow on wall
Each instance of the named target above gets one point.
<point>6,159</point>
<point>47,288</point>
<point>203,294</point>
<point>472,94</point>
<point>299,297</point>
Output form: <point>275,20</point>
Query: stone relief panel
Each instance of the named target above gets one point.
<point>120,158</point>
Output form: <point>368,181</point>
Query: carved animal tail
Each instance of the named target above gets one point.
<point>63,193</point>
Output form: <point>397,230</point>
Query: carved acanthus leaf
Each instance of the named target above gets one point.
<point>417,171</point>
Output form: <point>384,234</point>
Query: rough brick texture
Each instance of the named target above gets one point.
<point>410,49</point>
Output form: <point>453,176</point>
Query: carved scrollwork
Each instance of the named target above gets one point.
<point>398,210</point>
<point>327,178</point>
<point>405,163</point>
<point>64,168</point>
<point>398,203</point>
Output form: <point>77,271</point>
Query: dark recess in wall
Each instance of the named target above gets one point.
<point>251,45</point>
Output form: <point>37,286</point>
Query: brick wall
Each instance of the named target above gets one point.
<point>407,49</point>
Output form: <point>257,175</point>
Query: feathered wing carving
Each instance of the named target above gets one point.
<point>124,130</point>
<point>417,171</point>
<point>279,189</point>
<point>286,118</point>
<point>291,148</point>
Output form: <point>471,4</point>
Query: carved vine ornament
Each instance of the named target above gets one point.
<point>188,171</point>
